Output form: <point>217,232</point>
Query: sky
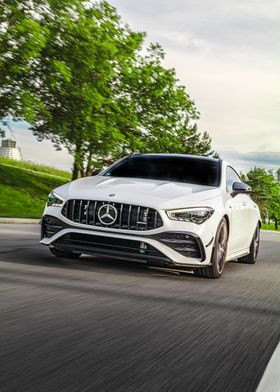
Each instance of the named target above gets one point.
<point>227,54</point>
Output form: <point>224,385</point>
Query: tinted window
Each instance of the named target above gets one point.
<point>169,168</point>
<point>232,177</point>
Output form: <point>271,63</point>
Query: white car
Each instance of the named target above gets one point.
<point>168,210</point>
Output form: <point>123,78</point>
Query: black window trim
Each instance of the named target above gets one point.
<point>228,166</point>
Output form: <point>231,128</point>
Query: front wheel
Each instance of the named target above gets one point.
<point>218,259</point>
<point>251,258</point>
<point>63,254</point>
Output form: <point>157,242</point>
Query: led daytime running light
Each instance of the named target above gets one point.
<point>195,215</point>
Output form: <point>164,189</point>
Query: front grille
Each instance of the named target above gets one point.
<point>183,243</point>
<point>129,217</point>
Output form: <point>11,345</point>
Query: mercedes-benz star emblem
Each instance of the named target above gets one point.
<point>107,214</point>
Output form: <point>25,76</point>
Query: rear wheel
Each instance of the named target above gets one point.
<point>218,259</point>
<point>64,255</point>
<point>251,258</point>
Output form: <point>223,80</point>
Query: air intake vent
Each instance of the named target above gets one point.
<point>112,215</point>
<point>183,243</point>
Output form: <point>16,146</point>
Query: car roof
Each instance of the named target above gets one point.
<point>177,155</point>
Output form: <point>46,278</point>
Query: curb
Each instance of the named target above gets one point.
<point>269,231</point>
<point>19,220</point>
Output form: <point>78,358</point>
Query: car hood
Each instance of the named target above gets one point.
<point>151,193</point>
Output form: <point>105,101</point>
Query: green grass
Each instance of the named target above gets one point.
<point>36,167</point>
<point>271,226</point>
<point>23,194</point>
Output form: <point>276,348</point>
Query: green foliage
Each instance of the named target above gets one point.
<point>78,75</point>
<point>22,38</point>
<point>23,194</point>
<point>278,175</point>
<point>265,191</point>
<point>35,167</point>
<point>268,226</point>
<point>158,109</point>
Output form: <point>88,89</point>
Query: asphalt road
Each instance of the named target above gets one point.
<point>96,325</point>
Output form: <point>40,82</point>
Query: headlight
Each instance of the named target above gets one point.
<point>196,215</point>
<point>54,200</point>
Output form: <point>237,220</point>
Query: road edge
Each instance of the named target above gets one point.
<point>270,231</point>
<point>270,381</point>
<point>19,220</point>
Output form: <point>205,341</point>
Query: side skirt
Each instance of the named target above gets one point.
<point>236,255</point>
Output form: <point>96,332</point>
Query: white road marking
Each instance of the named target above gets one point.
<point>270,381</point>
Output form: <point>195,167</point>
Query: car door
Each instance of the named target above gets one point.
<point>238,208</point>
<point>253,217</point>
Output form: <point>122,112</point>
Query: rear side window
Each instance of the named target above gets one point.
<point>231,177</point>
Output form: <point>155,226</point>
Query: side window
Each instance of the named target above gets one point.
<point>231,177</point>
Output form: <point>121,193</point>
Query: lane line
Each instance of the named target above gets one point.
<point>270,381</point>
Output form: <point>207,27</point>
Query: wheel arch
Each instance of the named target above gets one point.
<point>227,220</point>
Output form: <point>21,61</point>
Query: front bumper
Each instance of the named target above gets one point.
<point>162,247</point>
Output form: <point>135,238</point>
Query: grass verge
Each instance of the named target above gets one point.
<point>271,226</point>
<point>36,167</point>
<point>23,194</point>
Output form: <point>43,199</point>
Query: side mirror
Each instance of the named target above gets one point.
<point>96,172</point>
<point>240,187</point>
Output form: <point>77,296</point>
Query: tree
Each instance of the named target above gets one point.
<point>77,74</point>
<point>64,86</point>
<point>275,210</point>
<point>160,112</point>
<point>278,175</point>
<point>22,38</point>
<point>265,192</point>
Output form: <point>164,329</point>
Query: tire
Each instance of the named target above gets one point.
<point>64,255</point>
<point>218,259</point>
<point>251,258</point>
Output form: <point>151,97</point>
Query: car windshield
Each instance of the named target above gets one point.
<point>192,170</point>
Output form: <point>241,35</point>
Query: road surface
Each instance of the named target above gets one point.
<point>109,326</point>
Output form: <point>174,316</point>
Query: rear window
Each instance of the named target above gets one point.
<point>201,171</point>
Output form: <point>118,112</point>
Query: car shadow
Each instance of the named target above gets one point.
<point>40,256</point>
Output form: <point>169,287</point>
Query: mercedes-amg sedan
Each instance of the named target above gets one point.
<point>167,210</point>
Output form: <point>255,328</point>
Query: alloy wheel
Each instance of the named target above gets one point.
<point>221,247</point>
<point>256,242</point>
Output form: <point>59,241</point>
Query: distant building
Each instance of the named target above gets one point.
<point>10,150</point>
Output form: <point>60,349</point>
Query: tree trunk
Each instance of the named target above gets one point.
<point>89,168</point>
<point>75,172</point>
<point>276,223</point>
<point>77,167</point>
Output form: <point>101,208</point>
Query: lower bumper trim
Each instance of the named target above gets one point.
<point>116,248</point>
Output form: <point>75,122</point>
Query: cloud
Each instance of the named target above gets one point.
<point>230,23</point>
<point>245,161</point>
<point>227,54</point>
